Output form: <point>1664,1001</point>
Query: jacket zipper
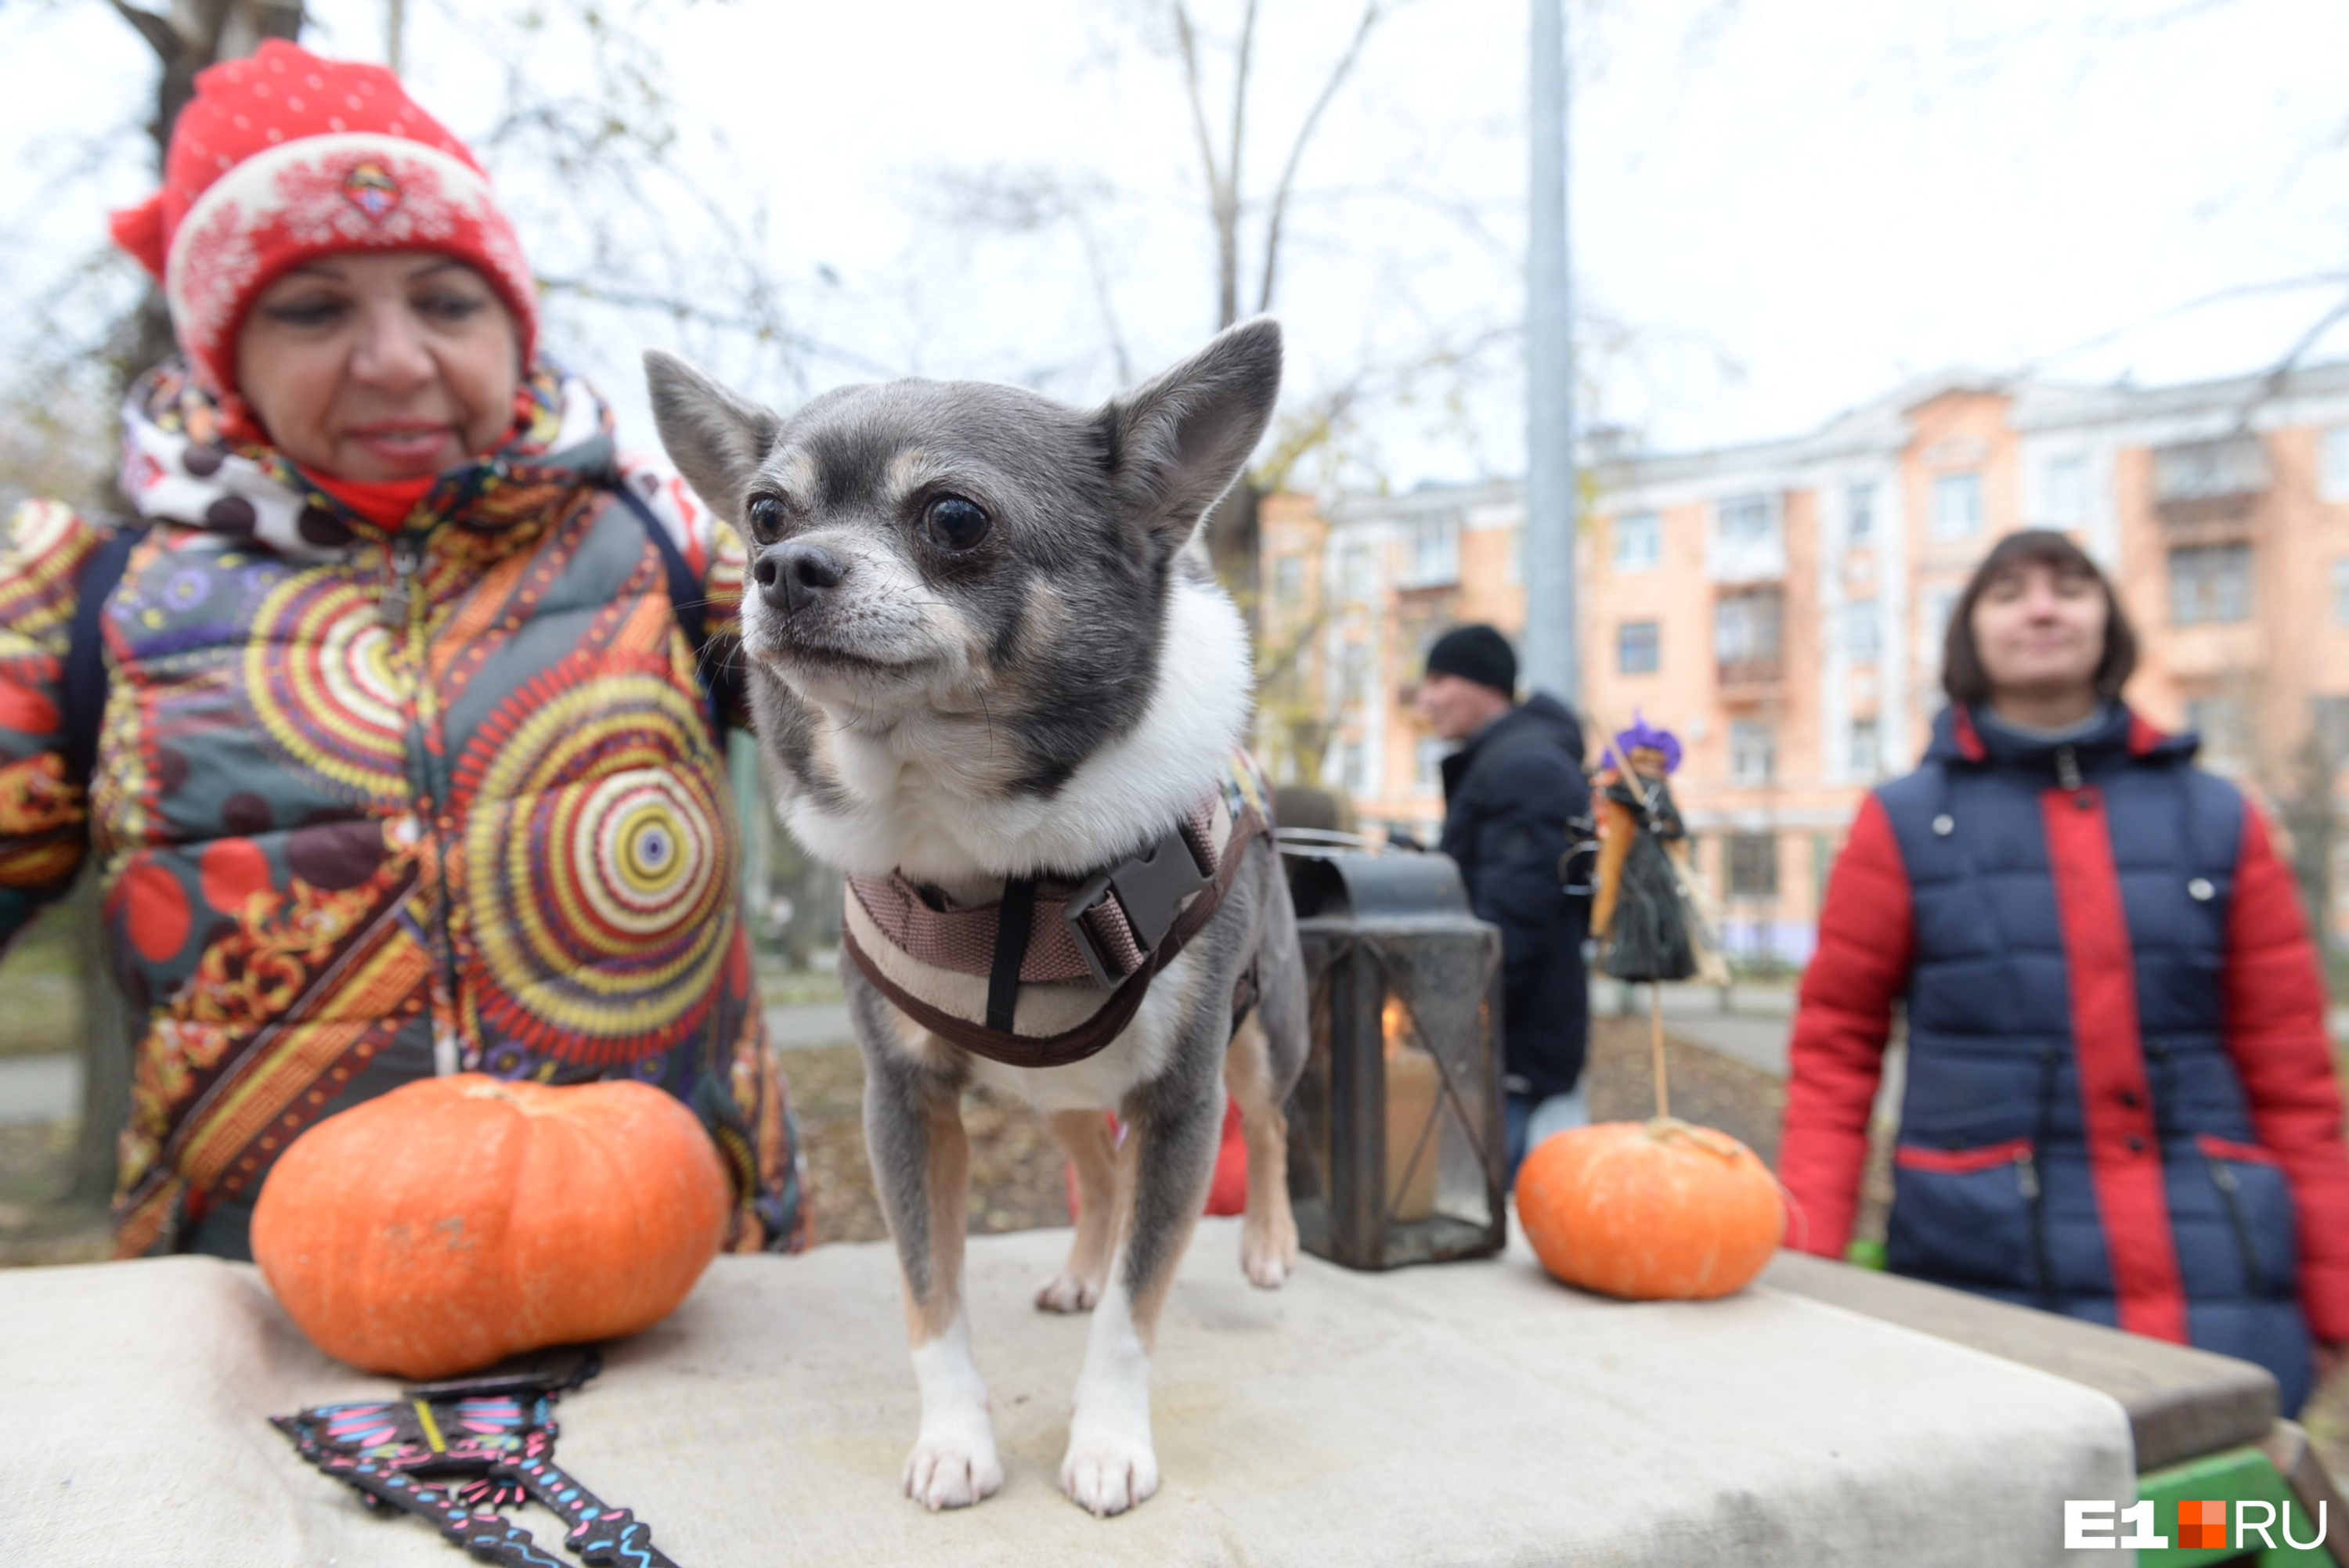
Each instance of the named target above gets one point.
<point>2231,1195</point>
<point>399,594</point>
<point>406,608</point>
<point>2067,768</point>
<point>2027,1176</point>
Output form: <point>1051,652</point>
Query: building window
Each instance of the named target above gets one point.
<point>1435,553</point>
<point>1358,580</point>
<point>1639,648</point>
<point>1752,751</point>
<point>1424,637</point>
<point>2328,722</point>
<point>2209,584</point>
<point>1287,581</point>
<point>1745,521</point>
<point>1639,542</point>
<point>1745,635</point>
<point>2332,464</point>
<point>2064,481</point>
<point>1860,517</point>
<point>1427,765</point>
<point>1865,759</point>
<point>2225,727</point>
<point>2341,593</point>
<point>2209,470</point>
<point>1940,603</point>
<point>1354,768</point>
<point>1354,675</point>
<point>1957,506</point>
<point>1859,629</point>
<point>1753,865</point>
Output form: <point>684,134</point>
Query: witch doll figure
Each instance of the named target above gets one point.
<point>1638,911</point>
<point>1644,911</point>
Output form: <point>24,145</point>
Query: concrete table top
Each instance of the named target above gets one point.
<point>1461,1414</point>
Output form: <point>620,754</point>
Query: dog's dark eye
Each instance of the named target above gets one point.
<point>765,514</point>
<point>954,523</point>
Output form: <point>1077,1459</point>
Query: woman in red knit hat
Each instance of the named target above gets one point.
<point>395,720</point>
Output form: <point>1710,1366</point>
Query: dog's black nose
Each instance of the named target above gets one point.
<point>790,576</point>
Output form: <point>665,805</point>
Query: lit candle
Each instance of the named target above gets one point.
<point>1413,1086</point>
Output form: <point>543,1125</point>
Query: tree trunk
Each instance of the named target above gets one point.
<point>194,34</point>
<point>1234,539</point>
<point>106,1055</point>
<point>2309,818</point>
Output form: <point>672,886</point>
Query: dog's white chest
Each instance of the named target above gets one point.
<point>1099,1082</point>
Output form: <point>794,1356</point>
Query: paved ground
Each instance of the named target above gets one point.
<point>46,1088</point>
<point>810,1026</point>
<point>40,1089</point>
<point>1751,1028</point>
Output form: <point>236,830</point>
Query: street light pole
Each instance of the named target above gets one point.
<point>1549,652</point>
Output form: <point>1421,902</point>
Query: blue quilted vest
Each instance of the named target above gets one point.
<point>2073,1133</point>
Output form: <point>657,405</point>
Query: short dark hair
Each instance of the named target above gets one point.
<point>1962,675</point>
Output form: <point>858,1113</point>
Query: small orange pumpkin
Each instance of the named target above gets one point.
<point>1653,1211</point>
<point>459,1220</point>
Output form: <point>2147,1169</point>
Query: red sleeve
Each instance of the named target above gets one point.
<point>1866,941</point>
<point>2276,1035</point>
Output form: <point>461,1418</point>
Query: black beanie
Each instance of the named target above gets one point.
<point>1478,654</point>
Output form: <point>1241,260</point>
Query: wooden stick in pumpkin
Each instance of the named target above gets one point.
<point>1656,1048</point>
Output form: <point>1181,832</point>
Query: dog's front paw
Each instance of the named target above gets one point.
<point>1107,1473</point>
<point>1268,1249</point>
<point>952,1469</point>
<point>1068,1292</point>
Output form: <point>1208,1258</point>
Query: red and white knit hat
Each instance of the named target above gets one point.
<point>282,157</point>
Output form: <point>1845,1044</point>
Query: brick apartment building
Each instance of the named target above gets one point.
<point>1782,604</point>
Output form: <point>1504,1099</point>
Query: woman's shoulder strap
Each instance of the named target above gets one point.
<point>689,602</point>
<point>82,683</point>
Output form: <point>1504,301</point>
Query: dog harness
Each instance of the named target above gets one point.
<point>453,1454</point>
<point>1052,971</point>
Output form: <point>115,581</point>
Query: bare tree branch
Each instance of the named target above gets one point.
<point>755,324</point>
<point>1222,190</point>
<point>1337,75</point>
<point>2271,384</point>
<point>2199,302</point>
<point>1229,304</point>
<point>1102,301</point>
<point>158,31</point>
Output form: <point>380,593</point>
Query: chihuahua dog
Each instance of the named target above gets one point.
<point>998,688</point>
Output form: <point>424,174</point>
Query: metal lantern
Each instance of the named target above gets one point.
<point>1397,1130</point>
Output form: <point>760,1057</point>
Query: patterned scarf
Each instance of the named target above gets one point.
<point>184,460</point>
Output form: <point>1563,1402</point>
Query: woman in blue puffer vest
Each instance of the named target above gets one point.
<point>2121,1101</point>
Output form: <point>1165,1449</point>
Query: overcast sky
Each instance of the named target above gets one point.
<point>1782,208</point>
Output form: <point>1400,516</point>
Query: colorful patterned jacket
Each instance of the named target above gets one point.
<point>372,803</point>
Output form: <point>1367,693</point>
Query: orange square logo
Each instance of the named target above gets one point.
<point>2201,1524</point>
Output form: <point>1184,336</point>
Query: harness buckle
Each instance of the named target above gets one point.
<point>1149,889</point>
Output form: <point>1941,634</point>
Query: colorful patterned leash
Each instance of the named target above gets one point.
<point>496,1435</point>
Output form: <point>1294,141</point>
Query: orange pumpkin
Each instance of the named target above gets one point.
<point>1654,1211</point>
<point>459,1220</point>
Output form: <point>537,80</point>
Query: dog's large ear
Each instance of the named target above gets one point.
<point>1176,443</point>
<point>716,438</point>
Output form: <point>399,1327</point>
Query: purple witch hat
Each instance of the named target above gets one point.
<point>1643,735</point>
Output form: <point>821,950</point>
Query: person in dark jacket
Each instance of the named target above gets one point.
<point>1508,793</point>
<point>2121,1102</point>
